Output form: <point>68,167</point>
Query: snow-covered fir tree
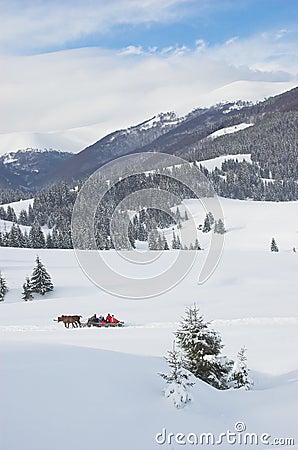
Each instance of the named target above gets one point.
<point>273,246</point>
<point>23,217</point>
<point>165,243</point>
<point>10,214</point>
<point>239,376</point>
<point>3,287</point>
<point>40,280</point>
<point>153,239</point>
<point>201,348</point>
<point>207,225</point>
<point>177,379</point>
<point>178,215</point>
<point>176,243</point>
<point>211,218</point>
<point>36,236</point>
<point>27,290</point>
<point>196,245</point>
<point>219,227</point>
<point>159,242</point>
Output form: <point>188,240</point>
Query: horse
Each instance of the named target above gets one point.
<point>73,320</point>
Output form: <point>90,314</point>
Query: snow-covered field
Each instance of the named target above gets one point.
<point>211,164</point>
<point>229,130</point>
<point>98,389</point>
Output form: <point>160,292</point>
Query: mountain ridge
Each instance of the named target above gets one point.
<point>165,132</point>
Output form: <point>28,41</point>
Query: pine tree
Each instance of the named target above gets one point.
<point>196,245</point>
<point>153,240</point>
<point>130,235</point>
<point>49,241</point>
<point>207,226</point>
<point>11,215</point>
<point>178,243</point>
<point>201,349</point>
<point>23,217</point>
<point>160,244</point>
<point>36,236</point>
<point>219,227</point>
<point>177,380</point>
<point>239,376</point>
<point>178,215</point>
<point>165,243</point>
<point>273,246</point>
<point>13,237</point>
<point>27,290</point>
<point>3,287</point>
<point>40,280</point>
<point>211,218</point>
<point>174,241</point>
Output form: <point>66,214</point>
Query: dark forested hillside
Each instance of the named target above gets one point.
<point>24,168</point>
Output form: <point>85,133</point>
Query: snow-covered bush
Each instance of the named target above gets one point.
<point>239,376</point>
<point>177,379</point>
<point>178,394</point>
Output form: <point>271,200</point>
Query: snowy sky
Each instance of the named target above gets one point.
<point>67,64</point>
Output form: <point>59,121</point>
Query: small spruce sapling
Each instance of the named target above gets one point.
<point>207,225</point>
<point>219,227</point>
<point>177,379</point>
<point>273,246</point>
<point>239,376</point>
<point>3,287</point>
<point>27,290</point>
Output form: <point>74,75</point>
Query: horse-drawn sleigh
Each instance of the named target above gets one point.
<point>93,321</point>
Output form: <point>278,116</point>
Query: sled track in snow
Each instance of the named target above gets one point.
<point>257,321</point>
<point>229,322</point>
<point>25,328</point>
<point>246,321</point>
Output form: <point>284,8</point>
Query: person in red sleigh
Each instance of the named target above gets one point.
<point>111,319</point>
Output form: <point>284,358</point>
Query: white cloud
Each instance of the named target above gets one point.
<point>32,25</point>
<point>132,50</point>
<point>200,45</point>
<point>231,40</point>
<point>79,88</point>
<point>265,52</point>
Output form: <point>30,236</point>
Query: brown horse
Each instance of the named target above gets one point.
<point>73,320</point>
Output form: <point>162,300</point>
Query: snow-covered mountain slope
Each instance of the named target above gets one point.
<point>99,389</point>
<point>114,145</point>
<point>274,120</point>
<point>21,204</point>
<point>24,167</point>
<point>72,140</point>
<point>229,130</point>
